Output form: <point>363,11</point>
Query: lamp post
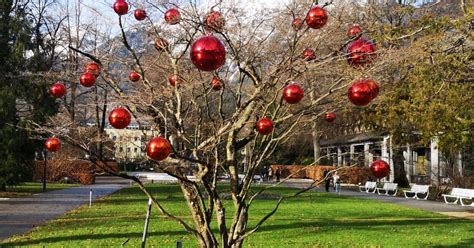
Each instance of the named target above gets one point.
<point>45,155</point>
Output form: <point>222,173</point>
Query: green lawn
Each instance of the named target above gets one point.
<point>26,189</point>
<point>311,220</point>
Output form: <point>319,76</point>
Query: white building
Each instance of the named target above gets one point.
<point>130,143</point>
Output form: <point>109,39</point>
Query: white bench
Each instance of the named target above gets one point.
<point>459,194</point>
<point>387,188</point>
<point>369,187</point>
<point>417,190</point>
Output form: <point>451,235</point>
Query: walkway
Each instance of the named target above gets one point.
<point>19,215</point>
<point>433,206</point>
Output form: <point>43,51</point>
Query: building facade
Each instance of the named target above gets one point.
<point>130,142</point>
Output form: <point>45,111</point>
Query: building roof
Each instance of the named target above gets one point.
<point>353,138</point>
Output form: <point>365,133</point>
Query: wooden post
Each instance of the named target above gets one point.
<point>147,220</point>
<point>44,169</point>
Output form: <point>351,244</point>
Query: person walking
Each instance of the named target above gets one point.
<point>327,180</point>
<point>337,183</point>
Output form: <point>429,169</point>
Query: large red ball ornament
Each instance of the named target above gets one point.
<point>161,44</point>
<point>297,24</point>
<point>374,88</point>
<point>57,90</point>
<point>215,21</point>
<point>120,118</point>
<point>134,76</point>
<point>330,117</point>
<point>173,79</point>
<point>217,83</point>
<point>87,79</point>
<point>208,53</point>
<point>380,169</point>
<point>158,148</point>
<point>361,52</point>
<point>139,14</point>
<point>52,144</point>
<point>360,93</point>
<point>354,30</point>
<point>316,17</point>
<point>121,7</point>
<point>172,16</point>
<point>93,68</point>
<point>292,93</point>
<point>264,126</point>
<point>309,54</point>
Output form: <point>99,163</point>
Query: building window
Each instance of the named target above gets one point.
<point>121,149</point>
<point>128,149</point>
<point>135,150</point>
<point>114,138</point>
<point>136,138</point>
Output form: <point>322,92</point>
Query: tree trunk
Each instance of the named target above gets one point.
<point>316,145</point>
<point>4,187</point>
<point>399,166</point>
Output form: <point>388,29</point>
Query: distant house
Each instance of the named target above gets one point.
<point>130,143</point>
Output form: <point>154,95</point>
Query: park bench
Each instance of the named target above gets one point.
<point>459,194</point>
<point>417,190</point>
<point>369,187</point>
<point>387,188</point>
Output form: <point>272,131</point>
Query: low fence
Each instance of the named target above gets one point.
<point>352,175</point>
<point>81,171</point>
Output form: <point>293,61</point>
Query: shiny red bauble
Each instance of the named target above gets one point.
<point>134,76</point>
<point>121,7</point>
<point>158,148</point>
<point>57,90</point>
<point>208,53</point>
<point>120,118</point>
<point>354,30</point>
<point>214,21</point>
<point>87,79</point>
<point>217,83</point>
<point>139,14</point>
<point>360,93</point>
<point>264,126</point>
<point>316,17</point>
<point>93,68</point>
<point>309,54</point>
<point>374,88</point>
<point>172,16</point>
<point>52,144</point>
<point>361,52</point>
<point>380,169</point>
<point>297,23</point>
<point>330,117</point>
<point>292,93</point>
<point>161,44</point>
<point>173,79</point>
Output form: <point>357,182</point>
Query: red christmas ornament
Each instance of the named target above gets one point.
<point>309,54</point>
<point>208,53</point>
<point>380,169</point>
<point>134,76</point>
<point>57,90</point>
<point>139,14</point>
<point>264,126</point>
<point>172,16</point>
<point>158,148</point>
<point>52,144</point>
<point>120,118</point>
<point>374,88</point>
<point>93,68</point>
<point>330,117</point>
<point>121,7</point>
<point>297,23</point>
<point>354,30</point>
<point>173,79</point>
<point>217,83</point>
<point>316,17</point>
<point>215,21</point>
<point>292,93</point>
<point>361,52</point>
<point>87,79</point>
<point>160,44</point>
<point>360,93</point>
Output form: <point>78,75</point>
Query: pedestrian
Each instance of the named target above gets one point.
<point>270,174</point>
<point>277,174</point>
<point>327,180</point>
<point>336,182</point>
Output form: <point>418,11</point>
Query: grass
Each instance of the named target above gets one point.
<point>311,220</point>
<point>26,189</point>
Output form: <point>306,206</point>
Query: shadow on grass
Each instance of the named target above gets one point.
<point>72,238</point>
<point>462,243</point>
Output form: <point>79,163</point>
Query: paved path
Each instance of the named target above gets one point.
<point>19,215</point>
<point>433,206</point>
